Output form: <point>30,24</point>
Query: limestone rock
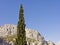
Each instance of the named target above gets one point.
<point>50,43</point>
<point>33,37</point>
<point>10,29</point>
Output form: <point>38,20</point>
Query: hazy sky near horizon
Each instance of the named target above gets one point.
<point>40,15</point>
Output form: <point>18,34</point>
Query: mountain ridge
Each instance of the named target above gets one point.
<point>33,36</point>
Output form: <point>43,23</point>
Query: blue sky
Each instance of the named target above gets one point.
<point>40,15</point>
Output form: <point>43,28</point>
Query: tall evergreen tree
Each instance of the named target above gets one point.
<point>21,34</point>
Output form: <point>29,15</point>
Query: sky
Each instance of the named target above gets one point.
<point>40,15</point>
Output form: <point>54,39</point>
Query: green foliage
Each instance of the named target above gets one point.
<point>10,38</point>
<point>21,34</point>
<point>30,40</point>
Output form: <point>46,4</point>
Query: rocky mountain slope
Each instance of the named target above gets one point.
<point>9,31</point>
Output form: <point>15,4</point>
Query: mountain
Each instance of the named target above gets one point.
<point>8,32</point>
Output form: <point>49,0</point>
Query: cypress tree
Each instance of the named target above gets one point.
<point>21,34</point>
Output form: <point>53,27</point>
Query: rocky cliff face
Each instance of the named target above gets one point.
<point>50,43</point>
<point>33,37</point>
<point>7,29</point>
